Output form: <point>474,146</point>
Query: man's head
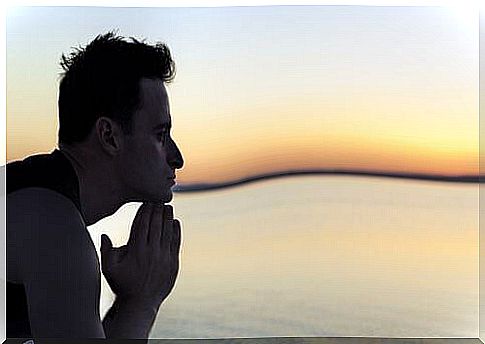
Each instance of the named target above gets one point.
<point>112,98</point>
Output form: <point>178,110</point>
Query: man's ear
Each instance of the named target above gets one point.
<point>108,133</point>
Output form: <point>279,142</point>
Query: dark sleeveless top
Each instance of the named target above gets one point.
<point>51,171</point>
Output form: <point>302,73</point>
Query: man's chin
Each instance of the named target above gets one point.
<point>169,197</point>
<point>165,198</point>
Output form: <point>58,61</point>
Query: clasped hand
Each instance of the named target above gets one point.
<point>145,269</point>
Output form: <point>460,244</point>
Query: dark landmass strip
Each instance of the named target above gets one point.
<point>427,177</point>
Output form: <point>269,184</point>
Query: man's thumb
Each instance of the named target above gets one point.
<point>105,242</point>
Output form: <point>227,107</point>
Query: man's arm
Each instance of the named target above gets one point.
<point>59,267</point>
<point>57,264</point>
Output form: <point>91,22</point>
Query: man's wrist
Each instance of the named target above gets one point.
<point>130,318</point>
<point>138,304</point>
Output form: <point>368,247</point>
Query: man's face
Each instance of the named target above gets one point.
<point>150,156</point>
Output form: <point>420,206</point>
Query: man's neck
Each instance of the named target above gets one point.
<point>98,192</point>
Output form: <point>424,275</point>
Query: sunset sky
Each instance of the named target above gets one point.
<point>277,88</point>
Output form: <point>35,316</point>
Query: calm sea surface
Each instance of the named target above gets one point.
<point>320,256</point>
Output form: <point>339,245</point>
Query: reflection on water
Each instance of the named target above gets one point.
<point>321,256</point>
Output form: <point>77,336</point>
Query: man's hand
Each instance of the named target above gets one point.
<point>144,271</point>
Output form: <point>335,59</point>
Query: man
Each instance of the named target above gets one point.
<point>114,147</point>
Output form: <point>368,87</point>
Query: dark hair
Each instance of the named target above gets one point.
<point>102,79</point>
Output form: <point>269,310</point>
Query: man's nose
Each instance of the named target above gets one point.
<point>176,160</point>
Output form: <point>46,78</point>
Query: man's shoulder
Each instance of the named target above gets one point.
<point>44,171</point>
<point>44,227</point>
<point>33,200</point>
<point>29,171</point>
<point>40,216</point>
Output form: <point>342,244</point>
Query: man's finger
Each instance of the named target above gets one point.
<point>175,249</point>
<point>141,231</point>
<point>167,229</point>
<point>106,254</point>
<point>175,243</point>
<point>134,233</point>
<point>156,226</point>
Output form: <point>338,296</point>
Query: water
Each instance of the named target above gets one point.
<point>320,256</point>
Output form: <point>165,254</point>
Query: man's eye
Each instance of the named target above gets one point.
<point>162,136</point>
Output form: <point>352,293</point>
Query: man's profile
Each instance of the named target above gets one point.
<point>114,147</point>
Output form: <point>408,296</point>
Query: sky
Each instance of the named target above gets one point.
<point>276,88</point>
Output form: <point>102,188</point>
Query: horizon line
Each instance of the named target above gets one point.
<point>200,187</point>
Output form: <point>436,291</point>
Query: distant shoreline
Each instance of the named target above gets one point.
<point>425,177</point>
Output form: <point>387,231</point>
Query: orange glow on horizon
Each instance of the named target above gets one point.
<point>221,162</point>
<point>281,158</point>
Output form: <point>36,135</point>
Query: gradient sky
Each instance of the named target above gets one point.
<point>267,89</point>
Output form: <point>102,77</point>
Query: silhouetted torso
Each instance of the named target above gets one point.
<point>51,171</point>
